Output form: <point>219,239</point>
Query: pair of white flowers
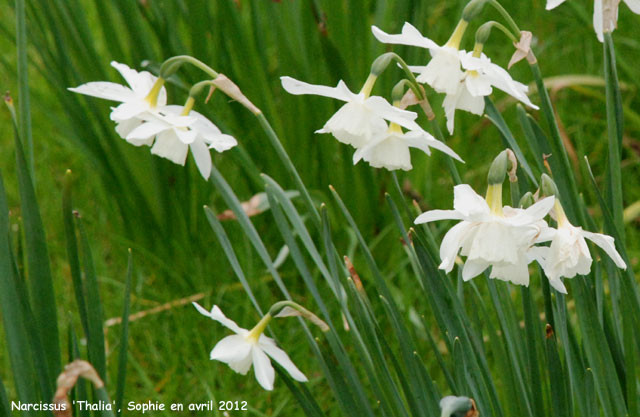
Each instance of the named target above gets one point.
<point>505,238</point>
<point>144,118</point>
<point>605,13</point>
<point>362,123</point>
<point>465,77</point>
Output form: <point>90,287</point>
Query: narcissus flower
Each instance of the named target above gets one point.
<point>362,117</point>
<point>443,73</point>
<point>390,148</point>
<point>145,93</point>
<point>491,235</point>
<point>605,13</point>
<point>246,348</point>
<point>465,77</point>
<point>568,255</point>
<point>480,77</point>
<point>173,131</point>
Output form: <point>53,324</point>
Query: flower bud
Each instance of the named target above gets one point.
<point>381,63</point>
<point>473,9</point>
<point>498,169</point>
<point>527,200</point>
<point>548,186</point>
<point>483,33</point>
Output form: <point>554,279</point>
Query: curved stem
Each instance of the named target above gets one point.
<point>171,65</point>
<point>506,16</point>
<point>493,24</point>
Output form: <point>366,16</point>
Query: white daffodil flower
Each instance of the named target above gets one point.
<point>490,235</point>
<point>605,13</point>
<point>568,255</point>
<point>390,149</point>
<point>246,348</point>
<point>478,80</point>
<point>466,79</point>
<point>144,94</point>
<point>173,134</point>
<point>443,73</point>
<point>362,116</point>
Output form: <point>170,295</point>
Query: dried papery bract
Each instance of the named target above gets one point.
<point>68,379</point>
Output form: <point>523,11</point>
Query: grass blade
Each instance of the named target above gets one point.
<point>42,291</point>
<point>15,332</point>
<point>24,106</point>
<point>95,337</point>
<point>124,339</point>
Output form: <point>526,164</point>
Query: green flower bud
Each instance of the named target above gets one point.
<point>527,200</point>
<point>548,186</point>
<point>473,9</point>
<point>498,169</point>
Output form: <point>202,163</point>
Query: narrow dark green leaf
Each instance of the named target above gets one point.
<point>95,337</point>
<point>24,106</point>
<point>72,251</point>
<point>557,377</point>
<point>533,336</point>
<point>17,343</point>
<point>42,291</point>
<point>124,339</point>
<point>614,130</point>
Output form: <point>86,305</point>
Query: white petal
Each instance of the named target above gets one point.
<point>554,3</point>
<point>451,244</point>
<point>128,110</point>
<point>167,145</point>
<point>534,213</point>
<point>466,201</point>
<point>146,130</point>
<point>186,136</point>
<point>105,90</point>
<point>435,215</point>
<point>202,157</point>
<point>410,36</point>
<point>123,128</point>
<point>517,273</point>
<point>242,366</point>
<point>598,19</point>
<point>265,374</point>
<point>634,5</point>
<point>473,268</point>
<point>293,86</point>
<point>558,285</point>
<point>423,141</point>
<point>232,348</point>
<point>443,72</point>
<point>283,359</point>
<point>606,243</point>
<point>384,109</point>
<point>217,315</point>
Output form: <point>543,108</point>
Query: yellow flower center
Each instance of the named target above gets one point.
<point>152,97</point>
<point>255,333</point>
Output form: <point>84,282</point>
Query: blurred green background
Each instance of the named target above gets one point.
<point>129,199</point>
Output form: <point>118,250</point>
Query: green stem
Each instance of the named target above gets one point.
<point>284,157</point>
<point>482,37</point>
<point>415,86</point>
<point>614,133</point>
<point>450,164</point>
<point>557,146</point>
<point>171,65</point>
<point>507,17</point>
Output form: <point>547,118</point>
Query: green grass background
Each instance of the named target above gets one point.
<point>254,43</point>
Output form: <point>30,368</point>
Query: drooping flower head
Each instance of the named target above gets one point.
<point>144,93</point>
<point>568,255</point>
<point>363,115</point>
<point>465,77</point>
<point>490,235</point>
<point>390,148</point>
<point>247,348</point>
